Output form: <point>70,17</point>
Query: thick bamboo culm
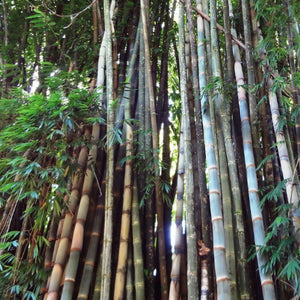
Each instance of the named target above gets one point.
<point>78,234</point>
<point>138,260</point>
<point>64,242</point>
<point>257,221</point>
<point>127,194</point>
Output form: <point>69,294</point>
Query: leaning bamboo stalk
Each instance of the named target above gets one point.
<point>108,223</point>
<point>213,183</point>
<point>287,172</point>
<point>64,243</point>
<point>155,144</point>
<point>99,215</point>
<point>78,234</point>
<point>178,245</point>
<point>127,194</point>
<point>257,221</point>
<point>295,89</point>
<point>192,260</point>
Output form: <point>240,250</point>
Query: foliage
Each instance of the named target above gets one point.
<point>38,138</point>
<point>280,244</point>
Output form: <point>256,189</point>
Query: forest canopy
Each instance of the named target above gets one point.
<point>149,149</point>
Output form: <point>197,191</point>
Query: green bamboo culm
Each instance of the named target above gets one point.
<point>192,261</point>
<point>64,243</point>
<point>108,221</point>
<point>78,234</point>
<point>257,221</point>
<point>127,194</point>
<point>137,245</point>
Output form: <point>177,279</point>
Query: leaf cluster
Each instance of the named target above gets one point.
<point>280,248</point>
<point>39,136</point>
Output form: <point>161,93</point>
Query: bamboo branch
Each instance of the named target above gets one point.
<point>207,18</point>
<point>71,16</point>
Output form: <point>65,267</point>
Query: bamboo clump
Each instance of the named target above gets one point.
<point>169,139</point>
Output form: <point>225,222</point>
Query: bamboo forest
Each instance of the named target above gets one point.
<point>150,149</point>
